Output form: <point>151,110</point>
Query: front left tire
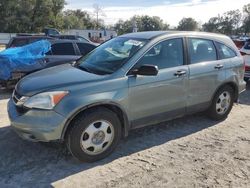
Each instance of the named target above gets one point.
<point>94,135</point>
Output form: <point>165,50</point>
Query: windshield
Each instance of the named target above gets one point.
<point>110,56</point>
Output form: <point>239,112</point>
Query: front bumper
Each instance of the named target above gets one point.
<point>36,125</point>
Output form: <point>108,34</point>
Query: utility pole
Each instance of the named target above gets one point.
<point>98,11</point>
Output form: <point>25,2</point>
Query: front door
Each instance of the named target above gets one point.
<point>156,98</point>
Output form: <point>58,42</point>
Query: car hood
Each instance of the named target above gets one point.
<point>54,77</point>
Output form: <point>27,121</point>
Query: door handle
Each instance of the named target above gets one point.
<point>219,66</point>
<point>180,73</point>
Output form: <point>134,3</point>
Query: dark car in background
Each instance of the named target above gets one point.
<point>23,40</point>
<point>62,52</point>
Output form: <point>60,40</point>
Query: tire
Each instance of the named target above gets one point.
<point>246,79</point>
<point>94,135</point>
<point>221,107</point>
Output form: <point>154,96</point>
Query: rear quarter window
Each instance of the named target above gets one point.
<point>85,48</point>
<point>224,51</point>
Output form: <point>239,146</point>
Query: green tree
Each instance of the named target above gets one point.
<point>231,22</point>
<point>246,19</point>
<point>187,24</point>
<point>29,15</point>
<point>78,19</point>
<point>144,23</point>
<point>213,25</point>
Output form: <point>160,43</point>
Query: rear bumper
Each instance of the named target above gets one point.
<point>36,125</point>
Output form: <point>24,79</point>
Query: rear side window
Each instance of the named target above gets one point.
<point>201,50</point>
<point>82,48</point>
<point>225,52</point>
<point>85,48</point>
<point>63,49</point>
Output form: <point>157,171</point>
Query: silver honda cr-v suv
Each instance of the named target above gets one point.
<point>130,81</point>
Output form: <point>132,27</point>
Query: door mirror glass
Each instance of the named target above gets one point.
<point>146,70</point>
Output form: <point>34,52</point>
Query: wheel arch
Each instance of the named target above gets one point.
<point>233,86</point>
<point>114,107</point>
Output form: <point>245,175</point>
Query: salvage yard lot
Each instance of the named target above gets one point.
<point>188,152</point>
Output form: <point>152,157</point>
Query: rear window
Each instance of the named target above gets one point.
<point>62,49</point>
<point>224,51</point>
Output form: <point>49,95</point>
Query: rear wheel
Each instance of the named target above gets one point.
<point>94,135</point>
<point>222,103</point>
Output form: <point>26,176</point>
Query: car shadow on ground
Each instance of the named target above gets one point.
<point>26,164</point>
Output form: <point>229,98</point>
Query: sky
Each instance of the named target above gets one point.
<point>171,11</point>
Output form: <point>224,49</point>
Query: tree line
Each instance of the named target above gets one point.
<point>31,16</point>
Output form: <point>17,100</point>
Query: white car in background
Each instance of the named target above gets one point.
<point>245,52</point>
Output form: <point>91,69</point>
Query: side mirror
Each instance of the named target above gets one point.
<point>146,70</point>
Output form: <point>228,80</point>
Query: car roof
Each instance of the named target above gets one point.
<point>148,35</point>
<point>35,37</point>
<point>68,41</point>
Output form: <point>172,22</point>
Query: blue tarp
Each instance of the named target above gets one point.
<point>22,59</point>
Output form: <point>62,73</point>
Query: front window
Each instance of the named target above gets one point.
<point>110,56</point>
<point>166,54</point>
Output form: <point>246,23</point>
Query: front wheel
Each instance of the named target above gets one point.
<point>94,135</point>
<point>222,103</point>
<point>246,79</point>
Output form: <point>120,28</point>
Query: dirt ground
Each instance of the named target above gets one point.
<point>189,152</point>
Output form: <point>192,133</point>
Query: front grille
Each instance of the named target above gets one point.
<point>19,101</point>
<point>16,97</point>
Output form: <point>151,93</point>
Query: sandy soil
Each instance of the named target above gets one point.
<point>188,152</point>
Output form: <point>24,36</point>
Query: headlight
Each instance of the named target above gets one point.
<point>45,100</point>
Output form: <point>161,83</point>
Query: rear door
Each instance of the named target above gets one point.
<point>156,98</point>
<point>206,73</point>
